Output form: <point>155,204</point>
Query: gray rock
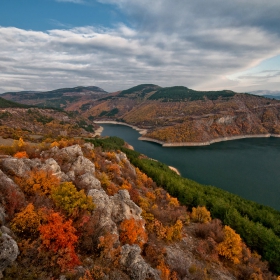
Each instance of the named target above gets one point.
<point>6,230</point>
<point>136,266</point>
<point>2,216</point>
<point>87,182</point>
<point>7,187</point>
<point>8,251</point>
<point>124,208</point>
<point>88,146</point>
<point>52,165</point>
<point>19,167</point>
<point>104,207</point>
<point>81,166</point>
<point>122,157</point>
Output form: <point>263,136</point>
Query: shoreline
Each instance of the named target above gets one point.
<point>189,144</point>
<point>175,170</point>
<point>98,131</point>
<point>141,130</point>
<point>207,143</point>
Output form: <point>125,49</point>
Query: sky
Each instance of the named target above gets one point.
<point>117,44</point>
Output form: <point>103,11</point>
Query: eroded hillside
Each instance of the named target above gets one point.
<point>182,115</point>
<point>35,123</point>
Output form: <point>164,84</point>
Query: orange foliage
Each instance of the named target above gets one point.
<point>38,181</point>
<point>21,155</point>
<point>133,232</point>
<point>164,271</point>
<point>110,155</point>
<point>26,222</point>
<point>126,185</point>
<point>112,189</point>
<point>59,237</point>
<point>106,245</point>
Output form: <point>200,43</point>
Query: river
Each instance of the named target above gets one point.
<point>247,167</point>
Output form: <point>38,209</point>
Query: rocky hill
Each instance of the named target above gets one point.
<point>172,116</point>
<point>184,116</point>
<point>75,211</point>
<point>64,98</point>
<point>35,123</point>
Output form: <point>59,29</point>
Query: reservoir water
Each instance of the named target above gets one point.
<point>247,167</point>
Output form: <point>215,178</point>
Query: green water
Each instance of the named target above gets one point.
<point>247,167</point>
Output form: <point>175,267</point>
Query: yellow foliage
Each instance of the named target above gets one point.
<point>200,215</point>
<point>26,222</point>
<point>38,181</point>
<point>104,180</point>
<point>173,201</point>
<point>21,143</point>
<point>174,232</point>
<point>70,200</point>
<point>54,144</point>
<point>231,247</point>
<point>144,203</point>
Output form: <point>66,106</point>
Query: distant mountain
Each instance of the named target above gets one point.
<point>182,115</point>
<point>63,98</point>
<point>273,96</point>
<point>266,92</point>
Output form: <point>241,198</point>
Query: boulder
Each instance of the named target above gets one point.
<point>19,167</point>
<point>2,216</point>
<point>82,165</point>
<point>104,207</point>
<point>124,208</point>
<point>8,251</point>
<point>87,182</point>
<point>136,266</point>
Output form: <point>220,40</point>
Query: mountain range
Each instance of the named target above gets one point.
<point>172,115</point>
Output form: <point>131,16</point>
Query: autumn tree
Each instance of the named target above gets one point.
<point>26,222</point>
<point>38,182</point>
<point>231,247</point>
<point>60,238</point>
<point>132,232</point>
<point>72,201</point>
<point>108,249</point>
<point>200,214</point>
<point>22,154</point>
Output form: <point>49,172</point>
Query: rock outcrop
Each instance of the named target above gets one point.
<point>8,251</point>
<point>113,210</point>
<point>136,266</point>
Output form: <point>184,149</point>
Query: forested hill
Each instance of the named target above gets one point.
<point>4,103</point>
<point>185,94</point>
<point>60,98</point>
<point>71,209</point>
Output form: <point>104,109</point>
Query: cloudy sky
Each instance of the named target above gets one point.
<point>116,44</point>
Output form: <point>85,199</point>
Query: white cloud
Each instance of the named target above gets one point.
<point>199,44</point>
